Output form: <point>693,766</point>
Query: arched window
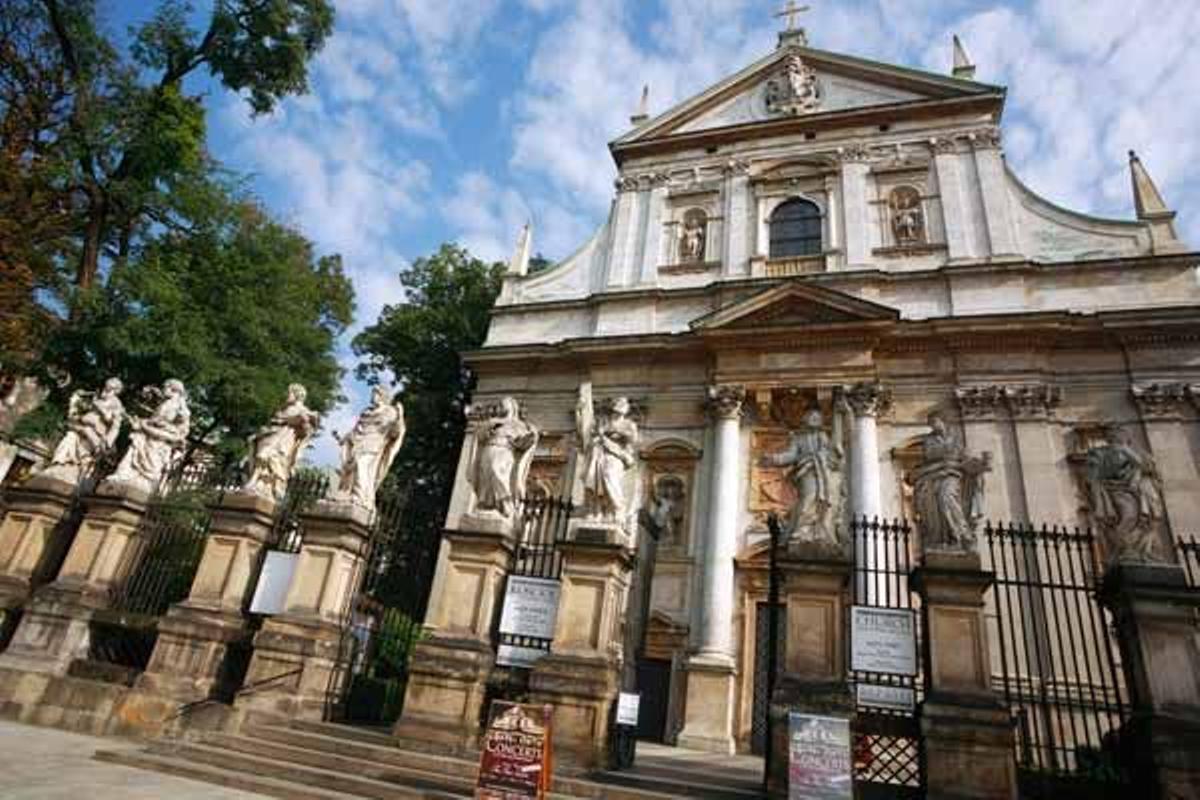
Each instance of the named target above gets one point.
<point>796,229</point>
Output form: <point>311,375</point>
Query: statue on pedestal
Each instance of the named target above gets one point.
<point>948,489</point>
<point>369,449</point>
<point>275,449</point>
<point>93,422</point>
<point>609,453</point>
<point>1125,498</point>
<point>157,440</point>
<point>815,460</point>
<point>505,444</point>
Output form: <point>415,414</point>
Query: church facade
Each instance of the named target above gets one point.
<point>827,247</point>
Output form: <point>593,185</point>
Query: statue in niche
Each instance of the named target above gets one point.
<point>667,509</point>
<point>908,219</point>
<point>1125,498</point>
<point>948,489</point>
<point>505,444</point>
<point>369,449</point>
<point>692,241</point>
<point>795,91</point>
<point>93,422</point>
<point>156,441</point>
<point>275,449</point>
<point>609,453</point>
<point>815,462</point>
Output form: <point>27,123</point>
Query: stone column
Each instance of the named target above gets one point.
<point>816,595</point>
<point>32,537</point>
<point>967,729</point>
<point>450,665</point>
<point>297,654</point>
<point>857,228</point>
<point>708,723</point>
<point>1154,611</point>
<point>53,631</point>
<point>868,401</point>
<point>581,676</point>
<point>195,635</point>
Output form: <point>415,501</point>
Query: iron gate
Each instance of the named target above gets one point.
<point>887,747</point>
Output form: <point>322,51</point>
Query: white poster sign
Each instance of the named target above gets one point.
<point>530,607</point>
<point>274,582</point>
<point>511,655</point>
<point>627,708</point>
<point>891,698</point>
<point>883,640</point>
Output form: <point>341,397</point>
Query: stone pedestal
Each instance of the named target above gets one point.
<point>581,676</point>
<point>450,666</point>
<point>32,538</point>
<point>709,708</point>
<point>195,636</point>
<point>53,631</point>
<point>1155,614</point>
<point>296,665</point>
<point>816,598</point>
<point>967,729</point>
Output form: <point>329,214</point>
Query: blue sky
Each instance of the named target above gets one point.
<point>458,120</point>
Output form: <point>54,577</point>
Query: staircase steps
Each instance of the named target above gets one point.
<point>322,760</point>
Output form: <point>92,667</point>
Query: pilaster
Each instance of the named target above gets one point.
<point>1166,416</point>
<point>857,228</point>
<point>1039,451</point>
<point>955,210</point>
<point>993,192</point>
<point>735,256</point>
<point>622,258</point>
<point>652,245</point>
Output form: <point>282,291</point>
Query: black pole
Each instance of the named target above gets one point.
<point>772,639</point>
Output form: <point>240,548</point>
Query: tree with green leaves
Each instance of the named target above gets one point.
<point>419,342</point>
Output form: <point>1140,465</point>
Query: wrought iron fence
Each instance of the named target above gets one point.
<point>541,529</point>
<point>1056,660</point>
<point>887,752</point>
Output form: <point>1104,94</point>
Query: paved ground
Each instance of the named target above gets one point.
<point>46,764</point>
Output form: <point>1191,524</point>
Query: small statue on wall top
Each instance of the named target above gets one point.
<point>505,445</point>
<point>948,489</point>
<point>157,441</point>
<point>93,422</point>
<point>815,462</point>
<point>692,241</point>
<point>275,449</point>
<point>908,220</point>
<point>369,449</point>
<point>609,455</point>
<point>1125,498</point>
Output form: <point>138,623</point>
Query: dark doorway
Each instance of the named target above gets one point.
<point>654,684</point>
<point>762,624</point>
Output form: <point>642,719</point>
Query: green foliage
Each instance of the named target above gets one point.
<point>449,296</point>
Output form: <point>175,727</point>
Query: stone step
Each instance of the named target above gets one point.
<point>676,784</point>
<point>183,768</point>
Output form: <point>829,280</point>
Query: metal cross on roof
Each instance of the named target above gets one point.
<point>791,11</point>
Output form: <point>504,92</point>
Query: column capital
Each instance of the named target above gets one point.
<point>1162,400</point>
<point>1032,401</point>
<point>869,399</point>
<point>985,138</point>
<point>726,401</point>
<point>980,402</point>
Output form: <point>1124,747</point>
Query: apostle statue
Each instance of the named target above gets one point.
<point>609,454</point>
<point>504,447</point>
<point>691,243</point>
<point>948,489</point>
<point>93,422</point>
<point>1125,498</point>
<point>368,450</point>
<point>157,440</point>
<point>275,449</point>
<point>814,459</point>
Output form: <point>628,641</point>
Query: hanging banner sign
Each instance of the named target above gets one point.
<point>883,640</point>
<point>514,759</point>
<point>819,762</point>
<point>530,607</point>
<point>890,698</point>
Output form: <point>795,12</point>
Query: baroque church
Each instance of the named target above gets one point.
<point>828,245</point>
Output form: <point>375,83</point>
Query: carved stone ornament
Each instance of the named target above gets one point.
<point>985,139</point>
<point>854,154</point>
<point>93,422</point>
<point>1160,400</point>
<point>943,145</point>
<point>869,399</point>
<point>156,441</point>
<point>815,462</point>
<point>907,216</point>
<point>1124,499</point>
<point>726,401</point>
<point>277,446</point>
<point>794,89</point>
<point>626,183</point>
<point>980,402</point>
<point>1032,401</point>
<point>368,450</point>
<point>948,490</point>
<point>504,445</point>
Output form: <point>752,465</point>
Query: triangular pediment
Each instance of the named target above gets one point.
<point>827,84</point>
<point>792,305</point>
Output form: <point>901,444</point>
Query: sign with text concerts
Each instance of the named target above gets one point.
<point>514,759</point>
<point>883,640</point>
<point>819,763</point>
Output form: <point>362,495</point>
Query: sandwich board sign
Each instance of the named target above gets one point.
<point>819,761</point>
<point>514,759</point>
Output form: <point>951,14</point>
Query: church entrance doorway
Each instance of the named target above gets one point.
<point>654,686</point>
